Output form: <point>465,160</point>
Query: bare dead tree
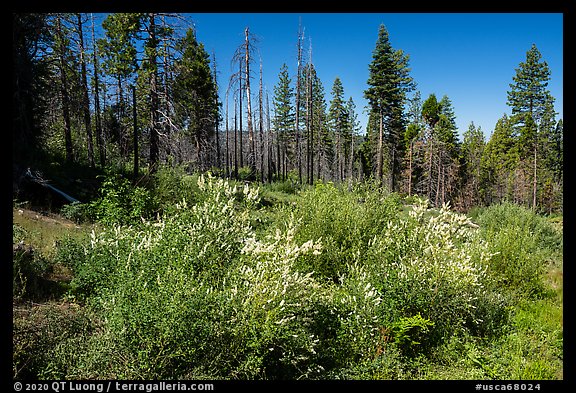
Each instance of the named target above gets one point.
<point>84,87</point>
<point>100,137</point>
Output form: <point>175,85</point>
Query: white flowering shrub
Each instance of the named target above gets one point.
<point>276,308</point>
<point>159,283</point>
<point>358,304</point>
<point>432,264</point>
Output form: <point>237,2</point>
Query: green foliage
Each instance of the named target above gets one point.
<point>407,331</point>
<point>338,284</point>
<point>245,173</point>
<point>19,234</point>
<point>194,89</point>
<point>28,268</point>
<point>522,243</point>
<point>76,211</point>
<point>170,185</point>
<point>48,340</point>
<point>435,266</point>
<point>345,221</point>
<point>120,202</point>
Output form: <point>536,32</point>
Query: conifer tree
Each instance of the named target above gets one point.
<point>532,112</point>
<point>118,49</point>
<point>499,161</point>
<point>195,95</point>
<point>472,149</point>
<point>338,120</point>
<point>284,117</point>
<point>388,82</point>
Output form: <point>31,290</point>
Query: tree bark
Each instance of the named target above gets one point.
<point>85,97</point>
<point>154,106</point>
<point>135,125</point>
<point>65,95</point>
<point>100,139</point>
<point>251,143</point>
<point>379,149</point>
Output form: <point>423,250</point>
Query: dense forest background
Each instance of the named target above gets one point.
<point>140,91</point>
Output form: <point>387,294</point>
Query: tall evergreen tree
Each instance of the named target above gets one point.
<point>284,117</point>
<point>339,124</point>
<point>352,131</point>
<point>84,85</point>
<point>62,51</point>
<point>195,95</point>
<point>472,149</point>
<point>388,82</point>
<point>30,38</point>
<point>118,49</point>
<point>533,113</point>
<point>499,161</point>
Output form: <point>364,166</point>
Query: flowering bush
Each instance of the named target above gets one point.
<point>342,284</point>
<point>431,264</point>
<point>276,307</point>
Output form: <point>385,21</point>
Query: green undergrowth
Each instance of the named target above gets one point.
<point>231,280</point>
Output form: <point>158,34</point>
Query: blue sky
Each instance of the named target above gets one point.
<point>470,57</point>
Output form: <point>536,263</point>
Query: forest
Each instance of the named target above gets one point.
<point>163,230</point>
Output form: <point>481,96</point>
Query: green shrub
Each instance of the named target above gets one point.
<point>523,244</point>
<point>280,312</point>
<point>158,283</point>
<point>433,266</point>
<point>77,212</point>
<point>28,270</point>
<point>48,340</point>
<point>246,174</point>
<point>345,221</point>
<point>120,202</point>
<point>19,234</point>
<point>170,185</point>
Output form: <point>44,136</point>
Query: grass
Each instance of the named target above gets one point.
<point>41,231</point>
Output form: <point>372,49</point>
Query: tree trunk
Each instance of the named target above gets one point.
<point>261,125</point>
<point>240,115</point>
<point>251,143</point>
<point>226,144</point>
<point>430,177</point>
<point>154,107</point>
<point>135,124</point>
<point>99,131</point>
<point>85,97</point>
<point>236,141</point>
<point>65,96</point>
<point>535,183</point>
<point>216,116</point>
<point>410,169</point>
<point>311,125</point>
<point>269,139</point>
<point>297,120</point>
<point>379,149</point>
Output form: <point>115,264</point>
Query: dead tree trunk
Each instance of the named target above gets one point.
<point>85,96</point>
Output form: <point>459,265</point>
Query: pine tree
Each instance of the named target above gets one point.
<point>353,130</point>
<point>412,140</point>
<point>284,117</point>
<point>388,82</point>
<point>30,82</point>
<point>473,145</point>
<point>338,120</point>
<point>118,49</point>
<point>499,162</point>
<point>195,95</point>
<point>532,113</point>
